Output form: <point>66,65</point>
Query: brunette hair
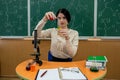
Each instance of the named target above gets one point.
<point>65,12</point>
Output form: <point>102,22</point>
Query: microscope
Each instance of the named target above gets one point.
<point>36,52</point>
<point>36,49</point>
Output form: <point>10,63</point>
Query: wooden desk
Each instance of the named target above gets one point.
<point>28,75</point>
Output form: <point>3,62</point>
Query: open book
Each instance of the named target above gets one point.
<point>71,73</point>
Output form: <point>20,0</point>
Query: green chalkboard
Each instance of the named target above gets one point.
<point>108,18</point>
<point>13,17</point>
<point>82,12</point>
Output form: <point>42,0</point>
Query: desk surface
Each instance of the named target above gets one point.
<point>28,75</point>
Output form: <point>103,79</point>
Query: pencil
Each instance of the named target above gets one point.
<point>43,73</point>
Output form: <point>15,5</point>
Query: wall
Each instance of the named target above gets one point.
<point>14,51</point>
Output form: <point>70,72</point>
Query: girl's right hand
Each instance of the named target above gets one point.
<point>49,16</point>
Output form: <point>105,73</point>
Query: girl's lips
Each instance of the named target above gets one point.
<point>62,23</point>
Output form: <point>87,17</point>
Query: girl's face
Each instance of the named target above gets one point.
<point>62,21</point>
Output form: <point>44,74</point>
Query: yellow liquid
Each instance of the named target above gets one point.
<point>59,28</point>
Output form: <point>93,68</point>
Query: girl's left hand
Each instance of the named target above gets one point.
<point>64,33</point>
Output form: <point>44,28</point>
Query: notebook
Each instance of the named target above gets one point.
<point>51,74</point>
<point>71,73</point>
<point>97,58</point>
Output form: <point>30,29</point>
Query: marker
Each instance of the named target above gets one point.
<point>43,73</point>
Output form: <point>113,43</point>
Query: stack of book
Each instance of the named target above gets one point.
<point>98,61</point>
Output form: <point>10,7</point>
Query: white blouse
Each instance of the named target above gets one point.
<point>59,46</point>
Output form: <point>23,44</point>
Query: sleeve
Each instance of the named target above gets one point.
<point>46,33</point>
<point>42,33</point>
<point>39,27</point>
<point>71,46</point>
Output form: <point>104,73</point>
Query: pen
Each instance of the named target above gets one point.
<point>43,73</point>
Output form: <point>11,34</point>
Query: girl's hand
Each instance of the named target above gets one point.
<point>49,16</point>
<point>64,33</point>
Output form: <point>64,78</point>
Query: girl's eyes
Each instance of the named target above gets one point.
<point>62,17</point>
<point>58,17</point>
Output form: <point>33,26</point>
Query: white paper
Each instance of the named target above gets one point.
<point>71,74</point>
<point>51,74</point>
